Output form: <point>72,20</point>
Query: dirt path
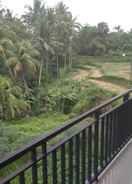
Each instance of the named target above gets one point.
<point>96,73</point>
<point>108,86</point>
<point>83,74</point>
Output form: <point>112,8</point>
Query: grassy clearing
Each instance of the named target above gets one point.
<point>121,70</point>
<point>15,134</point>
<point>109,66</point>
<point>109,86</point>
<point>116,80</point>
<point>105,71</point>
<point>103,59</point>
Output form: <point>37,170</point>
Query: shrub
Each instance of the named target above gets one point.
<point>65,95</point>
<point>90,97</point>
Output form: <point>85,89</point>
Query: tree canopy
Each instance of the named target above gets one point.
<point>40,43</point>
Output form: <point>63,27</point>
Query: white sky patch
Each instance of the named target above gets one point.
<point>114,12</point>
<point>17,6</point>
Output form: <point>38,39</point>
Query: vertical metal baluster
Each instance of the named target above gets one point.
<point>96,144</point>
<point>129,134</point>
<point>77,159</point>
<point>90,153</point>
<point>83,157</point>
<point>122,124</point>
<point>70,155</point>
<point>22,178</point>
<point>112,143</point>
<point>63,164</point>
<point>130,124</point>
<point>126,120</point>
<point>102,144</point>
<point>120,127</point>
<point>110,136</point>
<point>34,167</point>
<point>54,167</point>
<point>44,163</point>
<point>106,139</point>
<point>126,97</point>
<point>127,114</point>
<point>116,131</point>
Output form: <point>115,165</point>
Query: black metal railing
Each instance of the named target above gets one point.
<point>78,151</point>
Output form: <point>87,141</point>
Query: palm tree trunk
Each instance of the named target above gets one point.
<point>57,64</point>
<point>70,61</point>
<point>24,81</point>
<point>65,58</point>
<point>40,73</point>
<point>11,73</point>
<point>46,69</point>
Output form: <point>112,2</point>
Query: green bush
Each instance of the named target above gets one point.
<point>65,94</point>
<point>75,97</point>
<point>90,97</point>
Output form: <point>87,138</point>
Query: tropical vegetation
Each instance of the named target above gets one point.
<point>39,53</point>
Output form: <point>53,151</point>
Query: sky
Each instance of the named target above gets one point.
<point>114,12</point>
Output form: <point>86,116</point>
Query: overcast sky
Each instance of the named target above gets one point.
<point>114,12</point>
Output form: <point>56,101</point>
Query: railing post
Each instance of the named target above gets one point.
<point>77,159</point>
<point>102,143</point>
<point>34,167</point>
<point>96,144</point>
<point>126,97</point>
<point>126,110</point>
<point>90,153</point>
<point>45,163</point>
<point>127,117</point>
<point>83,157</point>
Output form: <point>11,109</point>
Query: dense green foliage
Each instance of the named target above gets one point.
<point>32,50</point>
<point>99,40</point>
<point>36,48</point>
<point>39,53</point>
<point>69,101</point>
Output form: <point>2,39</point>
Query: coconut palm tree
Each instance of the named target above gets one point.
<point>12,100</point>
<point>24,65</point>
<point>53,29</point>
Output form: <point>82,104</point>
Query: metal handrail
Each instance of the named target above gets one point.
<point>62,128</point>
<point>75,121</point>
